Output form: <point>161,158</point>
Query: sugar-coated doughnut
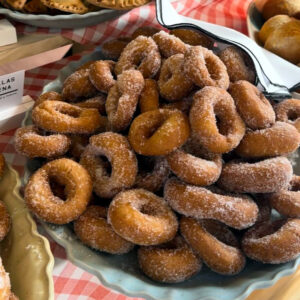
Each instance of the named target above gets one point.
<point>173,84</point>
<point>5,221</point>
<point>158,132</point>
<point>97,102</point>
<point>254,108</point>
<point>193,37</point>
<point>153,173</point>
<point>289,111</point>
<point>279,139</point>
<point>141,54</point>
<point>48,96</point>
<point>287,201</point>
<point>5,291</point>
<point>93,230</point>
<point>171,262</point>
<point>30,142</point>
<point>149,98</point>
<point>195,166</point>
<point>122,160</point>
<point>142,218</point>
<point>101,75</point>
<point>145,31</point>
<point>239,65</point>
<point>169,45</point>
<point>205,68</point>
<point>215,121</point>
<point>266,176</point>
<point>2,164</point>
<point>62,117</point>
<point>234,210</point>
<point>215,244</point>
<point>112,49</point>
<point>78,188</point>
<point>78,85</point>
<point>273,242</point>
<point>122,99</point>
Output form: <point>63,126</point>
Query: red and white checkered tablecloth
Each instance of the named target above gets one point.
<point>70,281</point>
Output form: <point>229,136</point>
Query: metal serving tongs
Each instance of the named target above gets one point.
<point>276,77</point>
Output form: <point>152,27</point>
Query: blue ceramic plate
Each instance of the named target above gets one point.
<point>121,273</point>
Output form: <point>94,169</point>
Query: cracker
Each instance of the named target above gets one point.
<point>118,4</point>
<point>71,6</point>
<point>16,4</point>
<point>36,7</point>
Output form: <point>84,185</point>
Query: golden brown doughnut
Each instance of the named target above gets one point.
<point>158,132</point>
<point>93,230</point>
<point>173,84</point>
<point>62,117</point>
<point>289,111</point>
<point>239,65</point>
<point>195,166</point>
<point>101,75</point>
<point>2,165</point>
<point>234,210</point>
<point>122,161</point>
<point>254,108</point>
<point>78,188</point>
<point>122,99</point>
<point>149,98</point>
<point>273,242</point>
<point>205,68</point>
<point>30,142</point>
<point>215,244</point>
<point>169,45</point>
<point>97,102</point>
<point>78,85</point>
<point>266,176</point>
<point>145,31</point>
<point>193,37</point>
<point>153,173</point>
<point>112,49</point>
<point>48,96</point>
<point>287,200</point>
<point>85,66</point>
<point>280,139</point>
<point>5,221</point>
<point>217,135</point>
<point>141,54</point>
<point>171,262</point>
<point>142,218</point>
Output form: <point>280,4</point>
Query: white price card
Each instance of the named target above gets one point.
<point>11,89</point>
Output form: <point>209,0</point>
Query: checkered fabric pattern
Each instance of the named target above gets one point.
<point>70,281</point>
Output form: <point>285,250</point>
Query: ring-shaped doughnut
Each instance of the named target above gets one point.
<point>141,54</point>
<point>123,98</point>
<point>215,244</point>
<point>254,108</point>
<point>234,210</point>
<point>101,75</point>
<point>97,102</point>
<point>48,96</point>
<point>93,230</point>
<point>168,44</point>
<point>5,221</point>
<point>158,132</point>
<point>289,111</point>
<point>31,143</point>
<point>239,65</point>
<point>287,201</point>
<point>142,218</point>
<point>170,262</point>
<point>279,139</point>
<point>149,98</point>
<point>116,149</point>
<point>153,173</point>
<point>78,188</point>
<point>173,84</point>
<point>273,242</point>
<point>215,121</point>
<point>62,117</point>
<point>78,85</point>
<point>205,68</point>
<point>266,176</point>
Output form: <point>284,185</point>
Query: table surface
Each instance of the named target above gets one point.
<point>71,282</point>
